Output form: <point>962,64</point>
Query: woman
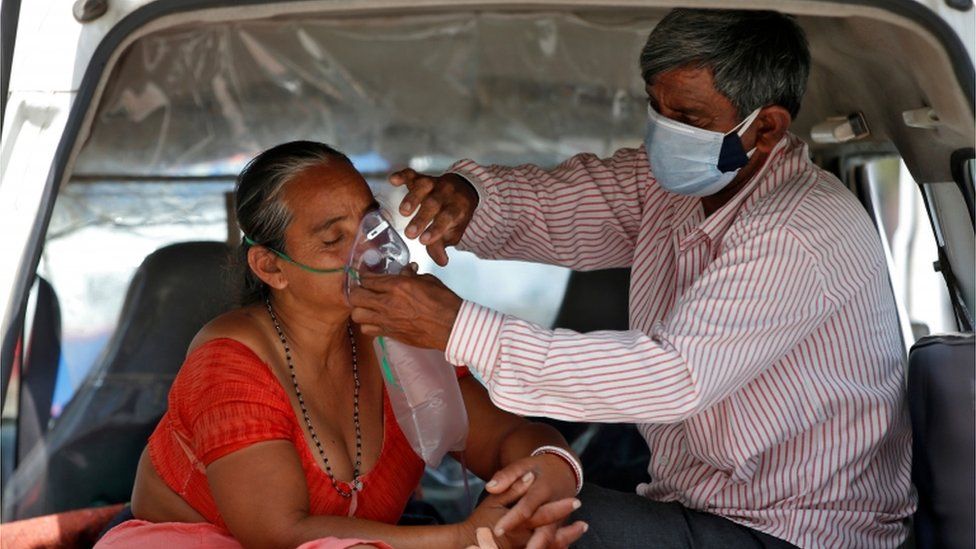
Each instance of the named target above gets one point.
<point>279,431</point>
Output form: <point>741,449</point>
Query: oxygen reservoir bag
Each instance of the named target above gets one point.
<point>421,384</point>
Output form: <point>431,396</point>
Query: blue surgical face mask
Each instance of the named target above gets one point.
<point>692,161</point>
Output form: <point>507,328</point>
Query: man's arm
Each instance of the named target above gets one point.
<point>748,309</point>
<point>584,213</point>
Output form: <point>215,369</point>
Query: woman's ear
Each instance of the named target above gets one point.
<point>770,126</point>
<point>264,264</point>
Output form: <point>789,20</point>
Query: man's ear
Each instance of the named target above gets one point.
<point>265,265</point>
<point>770,126</point>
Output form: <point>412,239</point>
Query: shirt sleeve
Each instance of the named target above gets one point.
<point>750,307</point>
<point>236,402</point>
<point>584,213</point>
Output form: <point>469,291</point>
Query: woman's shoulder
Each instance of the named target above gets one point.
<point>232,347</point>
<point>241,328</point>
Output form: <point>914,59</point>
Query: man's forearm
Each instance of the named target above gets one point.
<point>604,376</point>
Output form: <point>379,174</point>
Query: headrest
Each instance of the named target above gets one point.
<point>175,291</point>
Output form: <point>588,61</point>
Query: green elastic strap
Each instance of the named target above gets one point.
<point>385,364</point>
<point>302,266</point>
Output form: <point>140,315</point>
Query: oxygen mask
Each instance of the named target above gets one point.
<point>377,249</point>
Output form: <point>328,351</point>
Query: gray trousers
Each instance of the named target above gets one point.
<point>627,520</point>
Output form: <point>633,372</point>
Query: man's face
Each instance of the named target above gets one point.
<point>688,95</point>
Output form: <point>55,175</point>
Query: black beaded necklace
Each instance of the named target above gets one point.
<point>357,483</point>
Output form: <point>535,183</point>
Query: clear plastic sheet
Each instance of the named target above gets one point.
<point>100,232</point>
<point>126,206</point>
<point>420,91</point>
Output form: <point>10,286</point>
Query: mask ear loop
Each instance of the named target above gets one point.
<point>743,127</point>
<point>301,266</point>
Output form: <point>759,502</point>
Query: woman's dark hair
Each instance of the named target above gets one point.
<point>261,213</point>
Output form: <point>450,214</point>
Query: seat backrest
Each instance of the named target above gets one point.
<point>40,370</point>
<point>90,455</point>
<point>596,300</point>
<point>941,399</point>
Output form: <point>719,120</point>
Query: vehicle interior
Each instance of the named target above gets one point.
<point>135,250</point>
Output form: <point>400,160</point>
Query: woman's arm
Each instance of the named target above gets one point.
<point>497,438</point>
<point>500,447</point>
<point>262,496</point>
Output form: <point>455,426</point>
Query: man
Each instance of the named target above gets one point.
<point>764,362</point>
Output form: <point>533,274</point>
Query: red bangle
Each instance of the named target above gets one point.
<point>569,458</point>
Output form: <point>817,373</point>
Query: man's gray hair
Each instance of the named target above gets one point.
<point>757,58</point>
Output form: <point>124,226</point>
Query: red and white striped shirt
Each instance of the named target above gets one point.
<point>764,364</point>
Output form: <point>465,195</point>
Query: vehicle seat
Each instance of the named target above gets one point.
<point>90,455</point>
<point>36,379</point>
<point>941,400</point>
<point>40,370</point>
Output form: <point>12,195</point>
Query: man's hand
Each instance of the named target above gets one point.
<point>446,205</point>
<point>418,310</point>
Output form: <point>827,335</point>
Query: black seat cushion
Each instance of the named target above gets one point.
<point>941,400</point>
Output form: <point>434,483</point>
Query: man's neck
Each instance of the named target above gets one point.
<point>713,203</point>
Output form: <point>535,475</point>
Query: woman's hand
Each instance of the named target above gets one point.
<point>484,516</point>
<point>564,537</point>
<point>487,541</point>
<point>476,529</point>
<point>535,482</point>
<point>498,442</point>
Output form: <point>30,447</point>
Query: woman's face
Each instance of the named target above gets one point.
<point>327,204</point>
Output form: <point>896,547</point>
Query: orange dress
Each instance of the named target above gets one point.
<point>225,399</point>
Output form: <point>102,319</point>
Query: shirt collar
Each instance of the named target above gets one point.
<point>691,225</point>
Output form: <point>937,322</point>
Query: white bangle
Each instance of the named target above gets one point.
<point>569,458</point>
